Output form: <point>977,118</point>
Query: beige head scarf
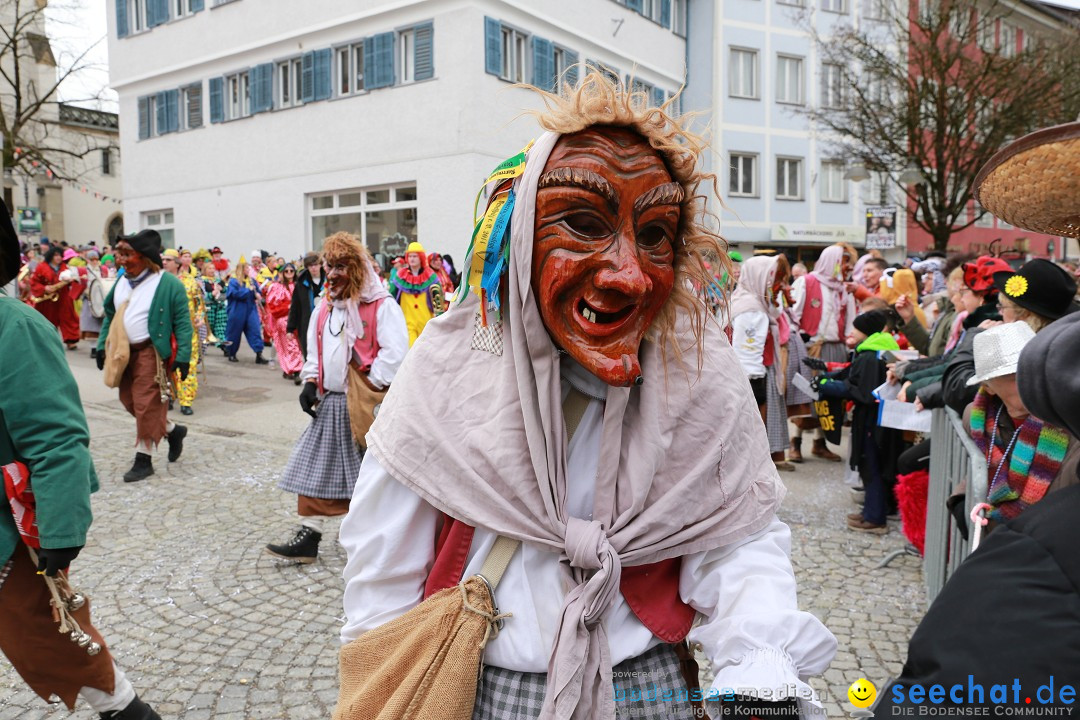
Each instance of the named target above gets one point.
<point>684,461</point>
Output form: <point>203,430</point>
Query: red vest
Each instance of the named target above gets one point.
<point>811,314</point>
<point>365,349</point>
<point>651,591</point>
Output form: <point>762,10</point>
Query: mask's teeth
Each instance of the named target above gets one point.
<point>589,314</point>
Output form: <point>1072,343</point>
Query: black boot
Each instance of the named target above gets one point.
<point>186,410</point>
<point>176,442</point>
<point>260,360</point>
<point>93,352</point>
<point>303,548</point>
<point>136,710</point>
<point>232,358</point>
<point>142,469</point>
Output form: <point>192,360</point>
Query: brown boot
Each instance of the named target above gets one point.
<point>781,462</point>
<point>795,453</point>
<point>822,451</point>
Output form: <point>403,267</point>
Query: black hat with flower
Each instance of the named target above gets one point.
<point>1041,287</point>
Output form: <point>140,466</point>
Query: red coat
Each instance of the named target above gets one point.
<point>60,311</point>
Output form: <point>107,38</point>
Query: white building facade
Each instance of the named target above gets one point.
<point>260,125</point>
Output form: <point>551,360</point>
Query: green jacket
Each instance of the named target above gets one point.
<point>169,316</point>
<point>42,424</point>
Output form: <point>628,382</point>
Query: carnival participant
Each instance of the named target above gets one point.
<point>154,311</point>
<point>411,284</point>
<point>44,441</point>
<point>824,311</point>
<point>220,263</point>
<point>50,286</point>
<point>309,286</point>
<point>436,262</point>
<point>357,342</point>
<point>186,389</point>
<point>278,301</point>
<point>578,420</point>
<point>242,296</point>
<point>93,309</point>
<point>217,317</point>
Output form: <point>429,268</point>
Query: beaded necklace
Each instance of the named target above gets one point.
<point>1008,448</point>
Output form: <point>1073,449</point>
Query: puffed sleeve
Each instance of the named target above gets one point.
<point>393,337</point>
<point>753,632</point>
<point>389,536</point>
<point>749,334</point>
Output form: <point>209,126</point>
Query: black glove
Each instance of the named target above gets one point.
<point>815,363</point>
<point>955,505</point>
<point>101,360</point>
<point>309,396</point>
<point>183,367</point>
<point>52,560</point>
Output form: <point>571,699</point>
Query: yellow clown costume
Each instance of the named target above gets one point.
<point>187,389</point>
<point>413,291</point>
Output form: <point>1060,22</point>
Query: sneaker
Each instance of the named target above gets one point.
<point>142,469</point>
<point>303,548</point>
<point>860,525</point>
<point>176,442</point>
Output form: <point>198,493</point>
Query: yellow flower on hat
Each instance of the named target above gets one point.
<point>1016,286</point>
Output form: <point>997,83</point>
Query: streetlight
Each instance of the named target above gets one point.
<point>912,175</point>
<point>857,171</point>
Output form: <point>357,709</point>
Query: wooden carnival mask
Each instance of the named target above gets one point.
<point>607,214</point>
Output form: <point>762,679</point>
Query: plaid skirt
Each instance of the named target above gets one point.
<point>776,423</point>
<point>326,460</point>
<point>510,695</point>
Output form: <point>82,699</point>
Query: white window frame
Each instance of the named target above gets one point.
<point>1007,45</point>
<point>107,165</point>
<point>186,94</point>
<point>353,56</point>
<point>151,114</point>
<point>786,66</point>
<point>164,221</point>
<point>878,9</point>
<point>738,58</point>
<point>515,58</point>
<point>651,9</point>
<point>180,9</point>
<point>137,17</point>
<point>678,17</point>
<point>783,191</point>
<point>792,3</point>
<point>336,208</point>
<point>832,85</point>
<point>986,221</point>
<point>986,33</point>
<point>237,100</point>
<point>747,169</point>
<point>289,71</point>
<point>840,7</point>
<point>833,188</point>
<point>406,48</point>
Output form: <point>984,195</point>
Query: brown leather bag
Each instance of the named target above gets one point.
<point>117,349</point>
<point>363,402</point>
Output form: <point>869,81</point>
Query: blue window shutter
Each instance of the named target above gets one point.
<point>543,63</point>
<point>493,59</point>
<point>636,5</point>
<point>161,113</point>
<point>571,67</point>
<point>307,77</point>
<point>657,97</point>
<point>151,12</point>
<point>266,87</point>
<point>665,13</point>
<point>322,74</point>
<point>121,18</point>
<point>144,118</point>
<point>173,110</point>
<point>369,62</point>
<point>197,5</point>
<point>217,99</point>
<point>424,56</point>
<point>157,12</point>
<point>383,70</point>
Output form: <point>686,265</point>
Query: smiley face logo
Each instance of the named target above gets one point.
<point>862,693</point>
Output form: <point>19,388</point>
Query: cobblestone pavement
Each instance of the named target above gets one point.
<point>208,626</point>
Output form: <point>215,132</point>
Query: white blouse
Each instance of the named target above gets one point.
<point>390,331</point>
<point>752,629</point>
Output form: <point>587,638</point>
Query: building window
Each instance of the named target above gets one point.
<point>788,178</point>
<point>832,85</point>
<point>789,79</point>
<point>678,17</point>
<point>744,73</point>
<point>1008,40</point>
<point>147,116</point>
<point>383,216</point>
<point>290,76</point>
<point>652,9</point>
<point>162,221</point>
<point>743,176</point>
<point>238,98</point>
<point>986,220</point>
<point>835,6</point>
<point>794,3</point>
<point>181,8</point>
<point>136,16</point>
<point>406,50</point>
<point>877,9</point>
<point>833,184</point>
<point>191,113</point>
<point>349,68</point>
<point>106,161</point>
<point>513,55</point>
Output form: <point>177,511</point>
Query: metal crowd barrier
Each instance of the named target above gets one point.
<point>955,460</point>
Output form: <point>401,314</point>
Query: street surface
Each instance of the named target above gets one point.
<point>208,626</point>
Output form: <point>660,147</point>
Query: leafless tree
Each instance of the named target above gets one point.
<point>942,85</point>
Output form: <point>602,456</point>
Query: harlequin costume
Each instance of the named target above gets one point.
<point>413,291</point>
<point>157,325</point>
<point>188,388</point>
<point>357,334</point>
<point>659,512</point>
<point>45,455</point>
<point>217,316</point>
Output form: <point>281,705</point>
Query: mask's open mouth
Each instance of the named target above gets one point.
<point>599,317</point>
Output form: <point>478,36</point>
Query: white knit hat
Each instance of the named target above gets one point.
<point>997,350</point>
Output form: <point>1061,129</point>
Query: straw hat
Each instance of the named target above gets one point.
<point>1034,183</point>
<point>997,350</point>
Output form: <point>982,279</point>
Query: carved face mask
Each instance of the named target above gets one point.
<point>607,212</point>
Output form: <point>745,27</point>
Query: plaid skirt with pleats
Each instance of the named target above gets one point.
<point>510,695</point>
<point>326,460</point>
<point>776,423</point>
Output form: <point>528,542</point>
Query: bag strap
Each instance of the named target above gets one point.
<point>503,550</point>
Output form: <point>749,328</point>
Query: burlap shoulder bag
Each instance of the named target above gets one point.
<point>425,664</point>
<point>362,401</point>
<point>117,349</point>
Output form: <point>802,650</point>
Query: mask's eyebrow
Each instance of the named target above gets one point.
<point>577,177</point>
<point>667,194</point>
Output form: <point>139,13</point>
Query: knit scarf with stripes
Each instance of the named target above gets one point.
<point>1034,463</point>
